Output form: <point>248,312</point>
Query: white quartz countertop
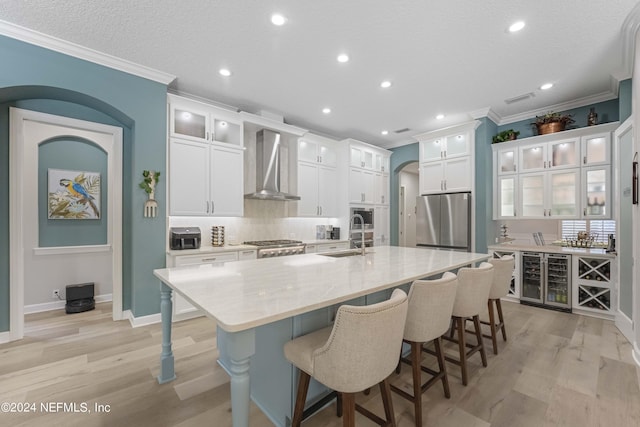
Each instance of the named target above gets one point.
<point>246,294</point>
<point>553,249</point>
<point>323,242</point>
<point>207,249</point>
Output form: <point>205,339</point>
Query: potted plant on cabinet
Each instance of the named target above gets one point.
<point>552,122</point>
<point>506,135</point>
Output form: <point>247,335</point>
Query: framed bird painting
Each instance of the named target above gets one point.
<point>73,194</point>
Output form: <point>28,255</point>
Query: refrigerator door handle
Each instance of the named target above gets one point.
<point>543,280</point>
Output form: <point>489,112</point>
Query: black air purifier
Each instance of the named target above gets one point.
<point>80,298</point>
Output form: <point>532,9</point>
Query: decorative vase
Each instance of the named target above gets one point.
<point>553,127</point>
<point>592,118</point>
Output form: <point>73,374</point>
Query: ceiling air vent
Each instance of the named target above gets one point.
<point>519,98</point>
<point>401,130</point>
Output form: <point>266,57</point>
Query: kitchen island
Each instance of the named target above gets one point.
<point>260,304</point>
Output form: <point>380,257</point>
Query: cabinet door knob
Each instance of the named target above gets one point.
<point>584,160</point>
<point>584,211</point>
<point>207,206</point>
<point>212,207</point>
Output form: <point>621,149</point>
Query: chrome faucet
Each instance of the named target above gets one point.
<point>362,224</point>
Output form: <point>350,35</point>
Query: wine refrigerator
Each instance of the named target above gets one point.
<point>546,280</point>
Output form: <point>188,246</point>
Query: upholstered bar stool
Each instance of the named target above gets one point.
<point>430,308</point>
<point>502,273</point>
<point>359,351</point>
<point>474,285</point>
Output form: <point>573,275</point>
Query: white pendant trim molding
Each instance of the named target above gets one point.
<point>137,322</point>
<point>77,51</point>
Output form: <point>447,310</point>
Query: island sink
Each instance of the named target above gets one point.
<point>342,254</point>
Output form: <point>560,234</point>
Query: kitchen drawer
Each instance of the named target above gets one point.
<point>212,258</point>
<point>248,254</point>
<point>331,247</point>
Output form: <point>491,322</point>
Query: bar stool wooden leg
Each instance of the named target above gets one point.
<point>463,348</point>
<point>339,405</point>
<point>476,323</point>
<point>301,397</point>
<point>504,331</point>
<point>492,326</point>
<point>385,391</point>
<point>416,353</point>
<point>349,415</point>
<point>440,354</point>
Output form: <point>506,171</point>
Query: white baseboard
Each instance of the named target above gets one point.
<point>625,326</point>
<point>5,337</point>
<point>136,322</point>
<point>57,305</point>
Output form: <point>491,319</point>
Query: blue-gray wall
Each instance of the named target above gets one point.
<point>624,97</point>
<point>71,155</point>
<point>58,84</point>
<point>485,227</point>
<point>400,157</point>
<point>607,111</point>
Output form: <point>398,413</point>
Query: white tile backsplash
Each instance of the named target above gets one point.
<point>263,220</point>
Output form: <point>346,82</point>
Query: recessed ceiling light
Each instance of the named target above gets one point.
<point>440,116</point>
<point>343,57</point>
<point>277,19</point>
<point>385,132</point>
<point>326,110</point>
<point>385,84</point>
<point>224,72</point>
<point>516,26</point>
<point>546,86</point>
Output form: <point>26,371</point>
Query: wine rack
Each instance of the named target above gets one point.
<point>593,290</point>
<point>514,288</point>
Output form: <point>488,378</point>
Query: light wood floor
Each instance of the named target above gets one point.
<point>556,369</point>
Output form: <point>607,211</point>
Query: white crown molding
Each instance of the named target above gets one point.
<point>485,112</point>
<point>396,144</point>
<point>630,28</point>
<point>272,124</point>
<point>77,51</point>
<point>576,103</point>
<point>467,126</point>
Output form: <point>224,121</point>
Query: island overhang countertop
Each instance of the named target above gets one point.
<point>246,294</point>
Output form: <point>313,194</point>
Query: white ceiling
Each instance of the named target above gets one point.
<point>450,57</point>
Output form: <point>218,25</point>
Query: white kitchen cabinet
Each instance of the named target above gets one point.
<point>507,197</point>
<point>247,254</point>
<point>313,149</point>
<point>317,177</point>
<point>381,163</point>
<point>196,121</point>
<point>445,147</point>
<point>594,285</point>
<point>361,186</point>
<point>316,187</point>
<point>361,157</point>
<point>559,176</point>
<point>507,160</point>
<point>446,176</point>
<point>381,188</point>
<point>205,179</point>
<point>552,194</point>
<point>564,153</point>
<point>596,192</point>
<point>596,149</point>
<point>323,248</point>
<point>381,227</point>
<point>514,286</point>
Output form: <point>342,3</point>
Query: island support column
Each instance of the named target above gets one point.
<point>167,372</point>
<point>239,347</point>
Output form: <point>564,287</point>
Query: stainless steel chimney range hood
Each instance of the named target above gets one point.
<point>268,168</point>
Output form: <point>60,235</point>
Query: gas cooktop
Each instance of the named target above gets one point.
<point>273,243</point>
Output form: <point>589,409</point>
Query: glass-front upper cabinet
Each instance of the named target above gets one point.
<point>189,122</point>
<point>507,196</point>
<point>507,159</point>
<point>596,192</point>
<point>564,154</point>
<point>551,155</point>
<point>445,147</point>
<point>532,200</point>
<point>193,120</point>
<point>596,149</point>
<point>564,190</point>
<point>533,157</point>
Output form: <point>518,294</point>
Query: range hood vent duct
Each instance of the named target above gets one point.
<point>268,168</point>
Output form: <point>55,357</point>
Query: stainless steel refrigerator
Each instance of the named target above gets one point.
<point>444,221</point>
